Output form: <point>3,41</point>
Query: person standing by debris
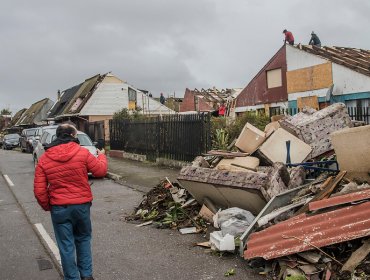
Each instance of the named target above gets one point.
<point>61,187</point>
<point>162,99</point>
<point>150,94</point>
<point>288,37</point>
<point>315,41</point>
<point>222,110</point>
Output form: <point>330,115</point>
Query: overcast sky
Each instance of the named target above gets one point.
<point>158,45</point>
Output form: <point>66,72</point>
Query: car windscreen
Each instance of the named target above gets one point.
<point>84,140</point>
<point>11,136</point>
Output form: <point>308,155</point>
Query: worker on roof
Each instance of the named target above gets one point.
<point>315,41</point>
<point>288,37</point>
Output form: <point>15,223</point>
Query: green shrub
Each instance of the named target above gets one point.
<point>232,128</point>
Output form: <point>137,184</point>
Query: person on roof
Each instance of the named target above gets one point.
<point>162,99</point>
<point>315,41</point>
<point>288,37</point>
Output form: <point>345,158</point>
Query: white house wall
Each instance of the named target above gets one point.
<point>298,59</point>
<point>319,93</point>
<point>151,106</point>
<point>347,81</point>
<point>107,99</point>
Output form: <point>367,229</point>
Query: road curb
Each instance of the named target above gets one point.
<point>118,179</point>
<point>43,243</point>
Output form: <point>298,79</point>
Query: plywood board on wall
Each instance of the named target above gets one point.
<point>308,101</point>
<point>310,78</point>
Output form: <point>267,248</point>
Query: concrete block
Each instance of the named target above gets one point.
<point>352,148</point>
<point>314,127</point>
<point>274,148</point>
<point>250,139</point>
<point>250,163</point>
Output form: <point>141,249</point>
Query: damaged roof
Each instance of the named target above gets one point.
<point>73,99</point>
<point>17,116</point>
<point>300,233</point>
<point>30,115</point>
<point>216,95</point>
<point>355,59</point>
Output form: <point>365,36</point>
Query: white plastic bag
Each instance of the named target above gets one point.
<point>233,221</point>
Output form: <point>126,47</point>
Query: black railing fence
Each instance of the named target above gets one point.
<point>177,137</point>
<point>355,113</point>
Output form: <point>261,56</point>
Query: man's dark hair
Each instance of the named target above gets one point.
<point>65,130</point>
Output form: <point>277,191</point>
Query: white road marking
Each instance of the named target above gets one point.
<point>53,248</point>
<point>7,179</point>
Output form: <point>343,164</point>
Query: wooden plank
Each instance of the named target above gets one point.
<point>357,257</point>
<point>327,188</point>
<point>310,78</point>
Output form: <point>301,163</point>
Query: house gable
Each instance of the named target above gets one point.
<point>267,86</point>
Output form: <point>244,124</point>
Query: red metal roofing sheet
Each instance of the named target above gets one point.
<point>324,229</point>
<point>339,200</point>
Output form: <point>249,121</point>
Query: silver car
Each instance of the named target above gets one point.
<point>50,134</point>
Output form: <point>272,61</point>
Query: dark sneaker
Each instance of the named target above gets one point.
<point>87,278</point>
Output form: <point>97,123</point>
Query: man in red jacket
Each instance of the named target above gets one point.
<point>288,37</point>
<point>61,186</point>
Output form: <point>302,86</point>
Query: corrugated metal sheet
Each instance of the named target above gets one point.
<point>339,200</point>
<point>296,234</point>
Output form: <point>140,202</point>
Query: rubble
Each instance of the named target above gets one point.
<point>314,127</point>
<point>292,215</point>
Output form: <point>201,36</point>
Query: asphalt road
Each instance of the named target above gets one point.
<point>120,249</point>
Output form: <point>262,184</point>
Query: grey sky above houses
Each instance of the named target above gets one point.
<point>158,45</point>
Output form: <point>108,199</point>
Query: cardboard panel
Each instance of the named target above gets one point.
<point>352,147</point>
<point>250,139</point>
<point>308,101</point>
<point>274,148</point>
<point>310,78</point>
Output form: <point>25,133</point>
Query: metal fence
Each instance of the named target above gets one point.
<point>355,113</point>
<point>177,137</point>
<point>96,131</point>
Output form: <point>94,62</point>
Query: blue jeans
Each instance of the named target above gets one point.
<point>72,227</point>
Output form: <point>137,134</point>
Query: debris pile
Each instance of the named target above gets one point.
<point>288,178</point>
<point>168,206</point>
<point>280,196</point>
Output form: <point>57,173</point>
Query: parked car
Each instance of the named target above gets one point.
<point>11,141</point>
<point>38,133</point>
<point>1,138</point>
<point>26,140</point>
<point>50,134</point>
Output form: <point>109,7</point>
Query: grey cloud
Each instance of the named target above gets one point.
<point>162,46</point>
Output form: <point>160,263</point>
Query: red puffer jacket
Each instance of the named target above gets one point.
<point>61,175</point>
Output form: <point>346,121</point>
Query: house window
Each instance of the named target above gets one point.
<point>131,94</point>
<point>274,78</point>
